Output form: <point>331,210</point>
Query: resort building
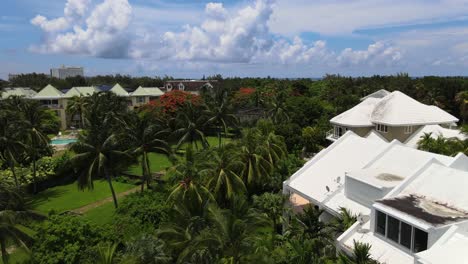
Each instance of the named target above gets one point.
<point>57,100</point>
<point>25,92</point>
<point>65,72</point>
<point>412,205</point>
<point>394,115</point>
<point>192,86</point>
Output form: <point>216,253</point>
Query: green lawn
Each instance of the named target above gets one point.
<point>101,215</point>
<point>18,257</point>
<point>68,197</point>
<point>212,141</point>
<point>158,162</point>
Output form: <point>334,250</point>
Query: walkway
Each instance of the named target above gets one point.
<point>90,206</point>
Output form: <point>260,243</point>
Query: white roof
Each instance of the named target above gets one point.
<point>324,169</point>
<point>393,109</point>
<point>398,109</point>
<point>119,90</point>
<point>49,92</point>
<point>434,197</point>
<point>81,91</point>
<point>436,131</point>
<point>147,91</point>
<point>18,91</point>
<point>451,248</point>
<point>358,116</point>
<point>379,94</point>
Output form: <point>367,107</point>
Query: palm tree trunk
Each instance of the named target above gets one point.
<point>4,251</point>
<point>12,168</point>
<point>219,136</point>
<point>148,170</point>
<point>109,180</point>
<point>143,172</point>
<point>34,175</point>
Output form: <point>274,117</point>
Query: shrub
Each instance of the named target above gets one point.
<point>65,239</point>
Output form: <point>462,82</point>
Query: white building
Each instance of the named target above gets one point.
<point>65,72</point>
<point>394,116</point>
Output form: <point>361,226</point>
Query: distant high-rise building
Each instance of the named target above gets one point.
<point>11,76</point>
<point>65,72</point>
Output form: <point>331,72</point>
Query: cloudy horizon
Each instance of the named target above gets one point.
<point>282,38</point>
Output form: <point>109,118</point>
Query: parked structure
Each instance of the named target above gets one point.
<point>65,72</point>
<point>394,116</point>
<point>57,100</point>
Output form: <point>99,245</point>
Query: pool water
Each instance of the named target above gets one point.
<point>63,141</point>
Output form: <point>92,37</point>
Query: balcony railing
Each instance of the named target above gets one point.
<point>331,135</point>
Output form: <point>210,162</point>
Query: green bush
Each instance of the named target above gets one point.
<point>65,239</point>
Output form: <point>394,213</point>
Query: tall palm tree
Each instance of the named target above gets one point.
<point>191,121</point>
<point>222,172</point>
<point>190,189</point>
<point>33,114</point>
<point>96,159</point>
<point>232,232</point>
<point>361,255</point>
<point>77,105</point>
<point>146,135</point>
<point>254,155</point>
<point>219,111</point>
<point>10,141</point>
<point>13,211</point>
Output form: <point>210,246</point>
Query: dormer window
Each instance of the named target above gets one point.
<point>408,129</point>
<point>401,233</point>
<point>181,87</point>
<point>381,128</point>
<point>169,87</point>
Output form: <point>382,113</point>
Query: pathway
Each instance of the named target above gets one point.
<point>90,206</point>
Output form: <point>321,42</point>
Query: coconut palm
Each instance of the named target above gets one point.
<point>13,212</point>
<point>222,172</point>
<point>232,232</point>
<point>34,127</point>
<point>254,155</point>
<point>10,141</point>
<point>361,255</point>
<point>345,220</point>
<point>191,121</point>
<point>190,189</point>
<point>96,159</point>
<point>77,105</point>
<point>220,111</point>
<point>107,253</point>
<point>146,136</point>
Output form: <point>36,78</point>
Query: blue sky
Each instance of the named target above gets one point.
<point>192,38</point>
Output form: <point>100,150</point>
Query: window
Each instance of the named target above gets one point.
<point>381,128</point>
<point>140,99</point>
<point>169,87</point>
<point>408,129</point>
<point>181,86</point>
<point>400,232</point>
<point>393,228</point>
<point>339,131</point>
<point>420,240</point>
<point>381,223</point>
<point>405,235</point>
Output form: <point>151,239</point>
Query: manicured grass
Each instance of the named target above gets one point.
<point>18,256</point>
<point>158,162</point>
<point>68,197</point>
<point>101,215</point>
<point>212,141</point>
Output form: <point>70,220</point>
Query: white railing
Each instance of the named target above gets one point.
<point>331,135</point>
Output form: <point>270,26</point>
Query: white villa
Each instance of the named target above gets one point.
<point>57,100</point>
<point>394,116</point>
<point>412,204</point>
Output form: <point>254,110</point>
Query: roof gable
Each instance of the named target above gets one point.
<point>118,90</point>
<point>398,109</point>
<point>81,91</point>
<point>147,91</point>
<point>49,92</point>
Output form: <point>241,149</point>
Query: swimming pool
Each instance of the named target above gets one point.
<point>63,141</point>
